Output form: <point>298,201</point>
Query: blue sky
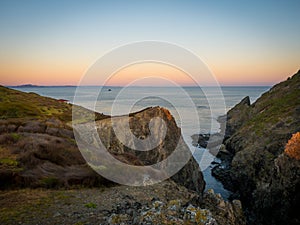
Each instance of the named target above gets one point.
<point>242,42</point>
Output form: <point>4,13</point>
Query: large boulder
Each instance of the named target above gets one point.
<point>189,176</point>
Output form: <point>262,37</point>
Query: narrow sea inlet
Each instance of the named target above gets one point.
<point>160,96</point>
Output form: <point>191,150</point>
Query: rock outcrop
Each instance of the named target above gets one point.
<point>189,176</point>
<point>237,116</point>
<point>213,211</point>
<point>224,212</point>
<point>266,180</point>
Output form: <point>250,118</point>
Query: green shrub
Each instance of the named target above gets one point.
<point>49,182</point>
<point>15,136</point>
<point>91,205</point>
<point>8,162</point>
<point>17,110</point>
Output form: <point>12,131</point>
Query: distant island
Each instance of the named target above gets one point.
<point>37,86</point>
<point>25,86</point>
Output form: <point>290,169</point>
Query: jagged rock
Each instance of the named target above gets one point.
<point>224,212</point>
<point>282,192</point>
<point>212,142</point>
<point>223,175</point>
<point>200,140</point>
<point>237,116</point>
<point>256,136</point>
<point>171,212</point>
<point>189,176</point>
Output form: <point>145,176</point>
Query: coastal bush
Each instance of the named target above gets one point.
<point>49,182</point>
<point>91,205</point>
<point>17,110</point>
<point>8,162</point>
<point>15,136</point>
<point>292,148</point>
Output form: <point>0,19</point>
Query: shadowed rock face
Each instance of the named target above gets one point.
<point>266,180</point>
<point>237,116</point>
<point>149,147</point>
<point>154,130</point>
<point>38,149</point>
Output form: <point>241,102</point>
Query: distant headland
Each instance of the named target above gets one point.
<point>37,86</point>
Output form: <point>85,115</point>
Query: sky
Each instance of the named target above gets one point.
<point>55,42</point>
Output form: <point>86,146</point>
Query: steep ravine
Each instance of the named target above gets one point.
<point>254,164</point>
<point>38,150</point>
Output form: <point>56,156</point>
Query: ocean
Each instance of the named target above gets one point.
<point>183,104</point>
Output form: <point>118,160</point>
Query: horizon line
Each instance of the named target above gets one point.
<point>118,86</point>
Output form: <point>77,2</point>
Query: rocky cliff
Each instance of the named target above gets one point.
<point>189,176</point>
<point>38,149</point>
<point>259,172</point>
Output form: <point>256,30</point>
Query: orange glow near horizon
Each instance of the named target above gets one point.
<point>137,72</point>
<point>19,69</point>
<point>42,73</point>
<point>245,73</point>
<point>58,72</point>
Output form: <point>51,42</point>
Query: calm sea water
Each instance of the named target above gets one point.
<point>169,97</point>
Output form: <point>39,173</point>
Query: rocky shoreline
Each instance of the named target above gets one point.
<point>222,159</point>
<point>254,163</point>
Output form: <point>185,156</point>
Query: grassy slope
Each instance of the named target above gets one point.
<point>17,104</point>
<point>275,115</point>
<point>275,106</point>
<point>33,130</point>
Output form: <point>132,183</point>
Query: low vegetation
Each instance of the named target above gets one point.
<point>37,145</point>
